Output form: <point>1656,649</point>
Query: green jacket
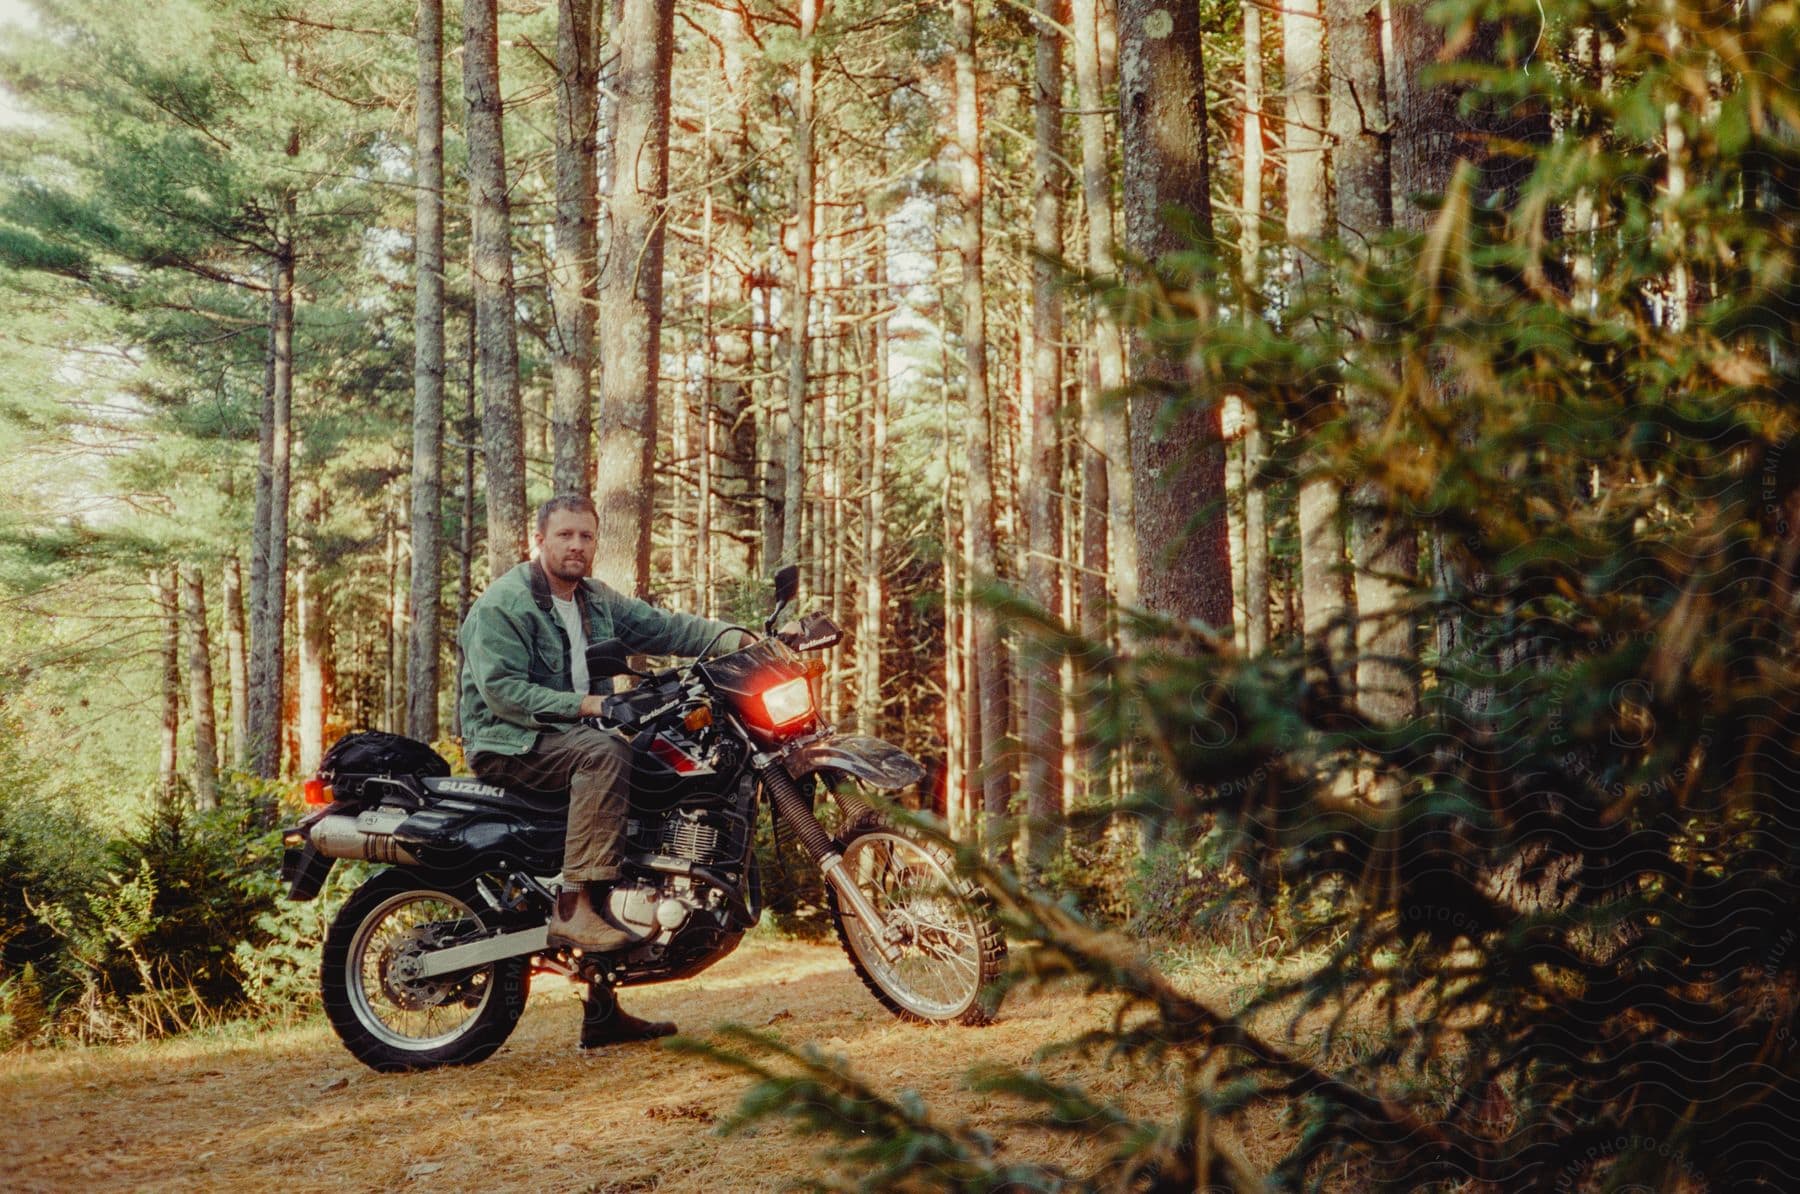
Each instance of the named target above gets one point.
<point>516,678</point>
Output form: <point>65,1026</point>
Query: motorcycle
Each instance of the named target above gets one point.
<point>428,961</point>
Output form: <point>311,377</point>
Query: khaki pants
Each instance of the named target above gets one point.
<point>595,765</point>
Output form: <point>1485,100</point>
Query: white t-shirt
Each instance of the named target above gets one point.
<point>571,620</point>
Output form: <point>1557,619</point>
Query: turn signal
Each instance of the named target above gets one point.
<point>698,718</point>
<point>317,791</point>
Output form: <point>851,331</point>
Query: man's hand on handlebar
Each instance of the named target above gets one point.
<point>591,706</point>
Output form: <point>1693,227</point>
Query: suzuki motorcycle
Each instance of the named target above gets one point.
<point>428,961</point>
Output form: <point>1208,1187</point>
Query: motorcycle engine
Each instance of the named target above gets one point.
<point>704,837</point>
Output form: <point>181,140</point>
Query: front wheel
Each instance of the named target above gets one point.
<point>951,946</point>
<point>390,1017</point>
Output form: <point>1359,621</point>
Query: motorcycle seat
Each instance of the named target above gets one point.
<point>463,787</point>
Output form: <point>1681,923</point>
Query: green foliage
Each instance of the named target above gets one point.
<point>278,964</point>
<point>1096,875</point>
<point>1561,894</point>
<point>146,933</point>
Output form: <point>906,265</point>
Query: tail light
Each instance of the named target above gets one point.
<point>317,791</point>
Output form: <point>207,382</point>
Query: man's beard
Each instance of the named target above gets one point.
<point>575,569</point>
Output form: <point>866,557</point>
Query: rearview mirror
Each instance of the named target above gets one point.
<point>607,658</point>
<point>787,584</point>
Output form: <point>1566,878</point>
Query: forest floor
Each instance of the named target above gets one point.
<point>290,1109</point>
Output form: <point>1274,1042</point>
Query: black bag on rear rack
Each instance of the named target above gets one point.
<point>355,757</point>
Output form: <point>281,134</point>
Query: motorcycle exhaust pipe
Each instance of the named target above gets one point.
<point>368,836</point>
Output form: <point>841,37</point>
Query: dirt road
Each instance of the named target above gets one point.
<point>293,1111</point>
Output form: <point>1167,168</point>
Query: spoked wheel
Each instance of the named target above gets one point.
<point>951,947</point>
<point>386,1012</point>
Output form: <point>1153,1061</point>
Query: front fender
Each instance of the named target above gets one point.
<point>869,759</point>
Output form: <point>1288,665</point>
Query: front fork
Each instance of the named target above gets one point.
<point>796,812</point>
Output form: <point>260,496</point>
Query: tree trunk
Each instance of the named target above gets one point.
<point>1429,139</point>
<point>631,294</point>
<point>956,777</point>
<point>1232,414</point>
<point>393,717</point>
<point>678,580</point>
<point>313,640</point>
<point>1106,416</point>
<point>1386,551</point>
<point>235,662</point>
<point>799,317</point>
<point>490,246</point>
<point>989,658</point>
<point>875,447</point>
<point>1043,669</point>
<point>466,548</point>
<point>1256,498</point>
<point>168,607</point>
<point>1095,482</point>
<point>268,569</point>
<point>577,215</point>
<point>428,382</point>
<point>831,520</point>
<point>771,435</point>
<point>200,691</point>
<point>1177,459</point>
<point>1323,612</point>
<point>709,364</point>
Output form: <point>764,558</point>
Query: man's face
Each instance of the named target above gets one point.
<point>566,544</point>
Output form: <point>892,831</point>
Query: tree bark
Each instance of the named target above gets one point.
<point>577,223</point>
<point>200,692</point>
<point>1043,511</point>
<point>497,345</point>
<point>231,593</point>
<point>268,570</point>
<point>957,784</point>
<point>424,613</point>
<point>314,637</point>
<point>703,440</point>
<point>1430,134</point>
<point>988,659</point>
<point>771,431</point>
<point>1323,611</point>
<point>1095,481</point>
<point>631,293</point>
<point>800,300</point>
<point>1106,417</point>
<point>466,548</point>
<point>875,449</point>
<point>1256,498</point>
<point>1430,137</point>
<point>1177,459</point>
<point>1386,550</point>
<point>168,607</point>
<point>393,717</point>
<point>681,525</point>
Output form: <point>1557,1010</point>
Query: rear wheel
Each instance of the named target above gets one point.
<point>388,1015</point>
<point>951,946</point>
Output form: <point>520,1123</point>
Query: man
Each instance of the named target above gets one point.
<point>525,685</point>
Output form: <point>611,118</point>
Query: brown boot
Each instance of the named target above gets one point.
<point>576,924</point>
<point>604,1022</point>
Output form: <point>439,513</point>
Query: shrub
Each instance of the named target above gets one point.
<point>279,964</point>
<point>132,937</point>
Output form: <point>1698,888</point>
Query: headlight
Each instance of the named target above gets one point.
<point>787,702</point>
